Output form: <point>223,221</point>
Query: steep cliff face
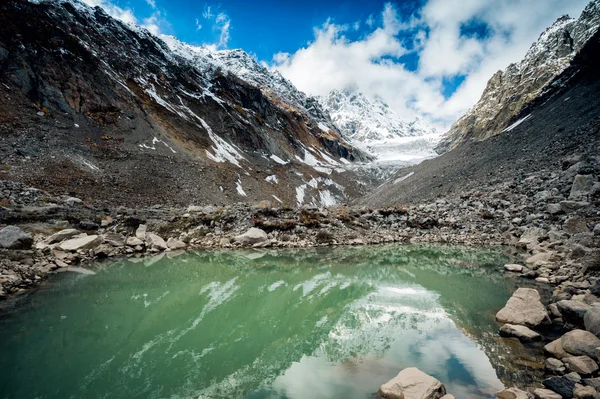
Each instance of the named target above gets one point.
<point>107,111</point>
<point>510,91</point>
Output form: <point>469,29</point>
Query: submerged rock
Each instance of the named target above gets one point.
<point>12,237</point>
<point>412,383</point>
<point>523,308</point>
<point>521,332</point>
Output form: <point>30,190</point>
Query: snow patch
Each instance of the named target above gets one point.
<point>238,187</point>
<point>398,180</point>
<point>517,123</point>
<point>272,179</point>
<point>278,160</point>
<point>223,151</point>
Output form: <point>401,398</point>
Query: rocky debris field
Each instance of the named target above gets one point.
<point>549,218</point>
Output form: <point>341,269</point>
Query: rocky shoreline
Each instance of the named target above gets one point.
<point>551,218</point>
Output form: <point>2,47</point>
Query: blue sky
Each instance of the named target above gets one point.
<point>427,58</point>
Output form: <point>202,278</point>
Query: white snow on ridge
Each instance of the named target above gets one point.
<point>223,151</point>
<point>278,160</point>
<point>517,123</point>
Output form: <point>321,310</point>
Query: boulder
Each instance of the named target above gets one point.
<point>448,396</point>
<point>141,232</point>
<point>573,311</point>
<point>575,224</point>
<point>412,383</point>
<point>591,320</point>
<point>597,229</point>
<point>156,242</point>
<point>539,258</point>
<point>134,241</point>
<point>555,366</point>
<point>592,382</point>
<point>81,243</point>
<point>173,243</point>
<point>584,392</point>
<point>562,385</point>
<point>62,235</point>
<point>114,239</point>
<point>554,209</point>
<point>523,308</point>
<point>555,349</point>
<point>541,393</point>
<point>582,186</point>
<point>512,393</point>
<point>12,237</point>
<point>511,267</point>
<point>252,236</point>
<point>521,332</point>
<point>580,343</point>
<point>582,365</point>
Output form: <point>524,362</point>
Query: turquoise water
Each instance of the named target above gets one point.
<point>311,323</point>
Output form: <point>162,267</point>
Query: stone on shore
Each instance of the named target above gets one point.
<point>62,235</point>
<point>523,308</point>
<point>521,332</point>
<point>584,392</point>
<point>134,242</point>
<point>562,385</point>
<point>555,366</point>
<point>582,365</point>
<point>81,243</point>
<point>580,343</point>
<point>591,320</point>
<point>512,393</point>
<point>541,393</point>
<point>513,268</point>
<point>155,241</point>
<point>555,349</point>
<point>412,383</point>
<point>12,237</point>
<point>252,236</point>
<point>141,232</point>
<point>573,311</point>
<point>173,243</point>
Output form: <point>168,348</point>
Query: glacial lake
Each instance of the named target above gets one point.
<point>310,323</point>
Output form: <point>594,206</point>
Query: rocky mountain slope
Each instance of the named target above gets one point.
<point>510,91</point>
<point>372,126</point>
<point>105,111</point>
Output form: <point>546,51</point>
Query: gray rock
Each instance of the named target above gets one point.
<point>521,332</point>
<point>573,311</point>
<point>72,201</point>
<point>555,349</point>
<point>562,385</point>
<point>134,241</point>
<point>448,396</point>
<point>523,308</point>
<point>511,267</point>
<point>62,235</point>
<point>412,383</point>
<point>202,209</point>
<point>114,239</point>
<point>584,392</point>
<point>81,243</point>
<point>512,393</point>
<point>141,232</point>
<point>554,209</point>
<point>252,236</point>
<point>592,382</point>
<point>555,366</point>
<point>572,206</point>
<point>580,343</point>
<point>12,237</point>
<point>575,224</point>
<point>582,365</point>
<point>582,186</point>
<point>173,243</point>
<point>156,242</point>
<point>597,229</point>
<point>591,320</point>
<point>541,393</point>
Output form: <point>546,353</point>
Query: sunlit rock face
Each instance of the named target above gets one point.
<point>509,92</point>
<point>311,323</point>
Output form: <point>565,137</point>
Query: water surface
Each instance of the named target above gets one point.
<point>311,323</point>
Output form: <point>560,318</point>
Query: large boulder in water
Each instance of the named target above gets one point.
<point>523,308</point>
<point>252,236</point>
<point>412,383</point>
<point>12,237</point>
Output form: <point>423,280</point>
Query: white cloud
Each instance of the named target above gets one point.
<point>152,24</point>
<point>332,61</point>
<point>221,24</point>
<point>207,14</point>
<point>151,3</point>
<point>122,14</point>
<point>198,25</point>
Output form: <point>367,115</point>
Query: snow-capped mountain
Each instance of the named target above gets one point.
<point>374,127</point>
<point>510,91</point>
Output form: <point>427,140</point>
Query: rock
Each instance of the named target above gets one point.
<point>562,385</point>
<point>81,243</point>
<point>591,321</point>
<point>523,308</point>
<point>555,349</point>
<point>582,186</point>
<point>555,366</point>
<point>511,267</point>
<point>72,201</point>
<point>582,365</point>
<point>62,235</point>
<point>88,225</point>
<point>512,393</point>
<point>541,257</point>
<point>521,332</point>
<point>592,382</point>
<point>541,393</point>
<point>155,242</point>
<point>224,241</point>
<point>573,311</point>
<point>597,229</point>
<point>554,209</point>
<point>141,232</point>
<point>580,343</point>
<point>202,209</point>
<point>572,206</point>
<point>412,383</point>
<point>553,309</point>
<point>106,221</point>
<point>114,239</point>
<point>172,243</point>
<point>134,241</point>
<point>584,392</point>
<point>252,236</point>
<point>448,396</point>
<point>575,224</point>
<point>12,237</point>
